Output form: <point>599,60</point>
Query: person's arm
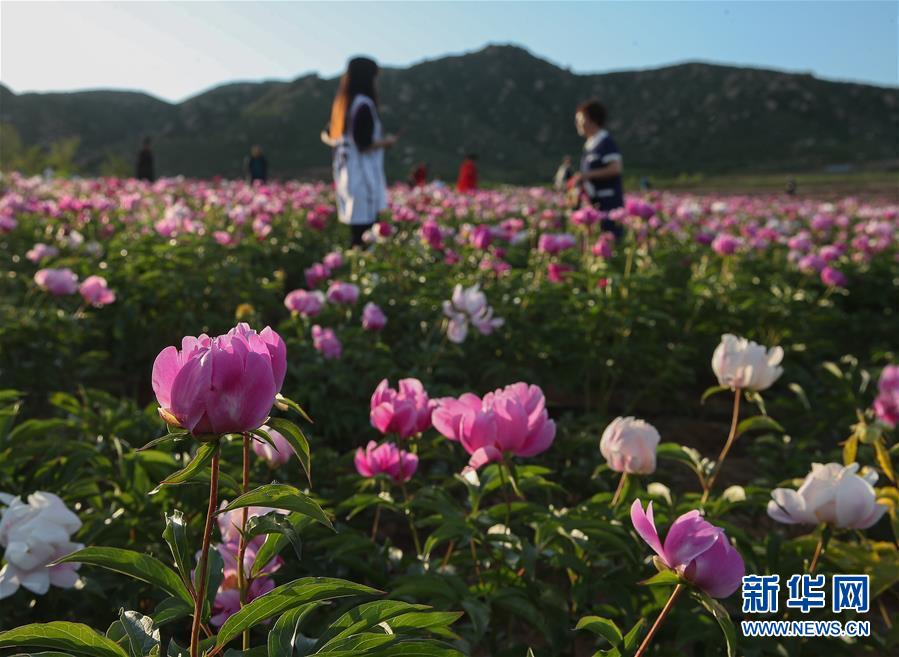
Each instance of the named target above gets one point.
<point>326,138</point>
<point>609,170</point>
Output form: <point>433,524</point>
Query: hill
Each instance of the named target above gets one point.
<point>514,109</point>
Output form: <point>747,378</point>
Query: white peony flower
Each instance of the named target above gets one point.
<point>469,306</point>
<point>741,364</point>
<point>832,494</point>
<point>35,534</point>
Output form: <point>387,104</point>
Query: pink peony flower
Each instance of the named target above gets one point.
<point>386,459</point>
<point>481,237</point>
<point>886,406</point>
<point>95,291</point>
<point>405,412</point>
<point>725,244</point>
<point>316,274</point>
<point>344,293</point>
<point>694,548</point>
<point>511,420</point>
<point>305,303</point>
<point>587,216</point>
<point>227,598</point>
<point>373,318</point>
<point>57,282</point>
<point>41,251</point>
<point>326,342</point>
<point>555,243</point>
<point>629,445</point>
<point>274,456</point>
<point>333,260</point>
<point>225,238</point>
<point>603,247</point>
<point>220,385</point>
<point>833,277</point>
<point>556,272</point>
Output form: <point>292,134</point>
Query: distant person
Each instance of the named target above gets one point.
<point>468,174</point>
<point>599,177</point>
<point>257,165</point>
<point>144,169</point>
<point>791,187</point>
<point>419,175</point>
<point>645,184</point>
<point>563,173</point>
<point>357,137</point>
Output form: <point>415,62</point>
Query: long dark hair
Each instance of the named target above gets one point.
<point>359,79</point>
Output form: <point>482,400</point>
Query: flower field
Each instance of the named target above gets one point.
<point>495,430</point>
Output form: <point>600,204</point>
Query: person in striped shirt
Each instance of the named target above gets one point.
<point>599,177</point>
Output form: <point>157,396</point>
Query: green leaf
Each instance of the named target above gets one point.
<point>73,637</point>
<point>281,496</point>
<point>281,636</point>
<point>42,654</point>
<point>297,441</point>
<point>724,622</point>
<point>275,523</point>
<point>833,368</point>
<point>662,578</point>
<point>365,617</point>
<point>365,643</point>
<point>142,636</point>
<point>274,543</point>
<point>714,390</point>
<point>285,597</point>
<point>215,573</point>
<point>293,406</point>
<point>883,459</point>
<point>676,452</point>
<point>850,449</point>
<point>167,438</point>
<point>797,390</point>
<point>171,609</point>
<point>758,423</point>
<point>136,565</point>
<point>633,635</point>
<point>198,463</point>
<point>175,535</point>
<point>603,627</point>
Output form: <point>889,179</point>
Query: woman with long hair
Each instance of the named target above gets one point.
<point>357,137</point>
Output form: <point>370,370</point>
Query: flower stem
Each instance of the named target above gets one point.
<point>411,519</point>
<point>819,550</point>
<point>449,553</point>
<point>502,479</point>
<point>204,555</point>
<point>374,525</point>
<point>474,558</point>
<point>732,436</point>
<point>655,626</point>
<point>242,584</point>
<point>622,483</point>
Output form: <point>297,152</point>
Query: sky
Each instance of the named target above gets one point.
<point>174,50</point>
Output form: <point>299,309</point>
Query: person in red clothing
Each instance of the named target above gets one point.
<point>418,177</point>
<point>468,174</point>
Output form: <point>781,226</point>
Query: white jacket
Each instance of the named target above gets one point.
<point>359,178</point>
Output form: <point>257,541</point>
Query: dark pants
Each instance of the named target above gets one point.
<point>356,232</point>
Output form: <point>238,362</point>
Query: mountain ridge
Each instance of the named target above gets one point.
<point>512,107</point>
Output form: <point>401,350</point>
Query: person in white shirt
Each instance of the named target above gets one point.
<point>357,137</point>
